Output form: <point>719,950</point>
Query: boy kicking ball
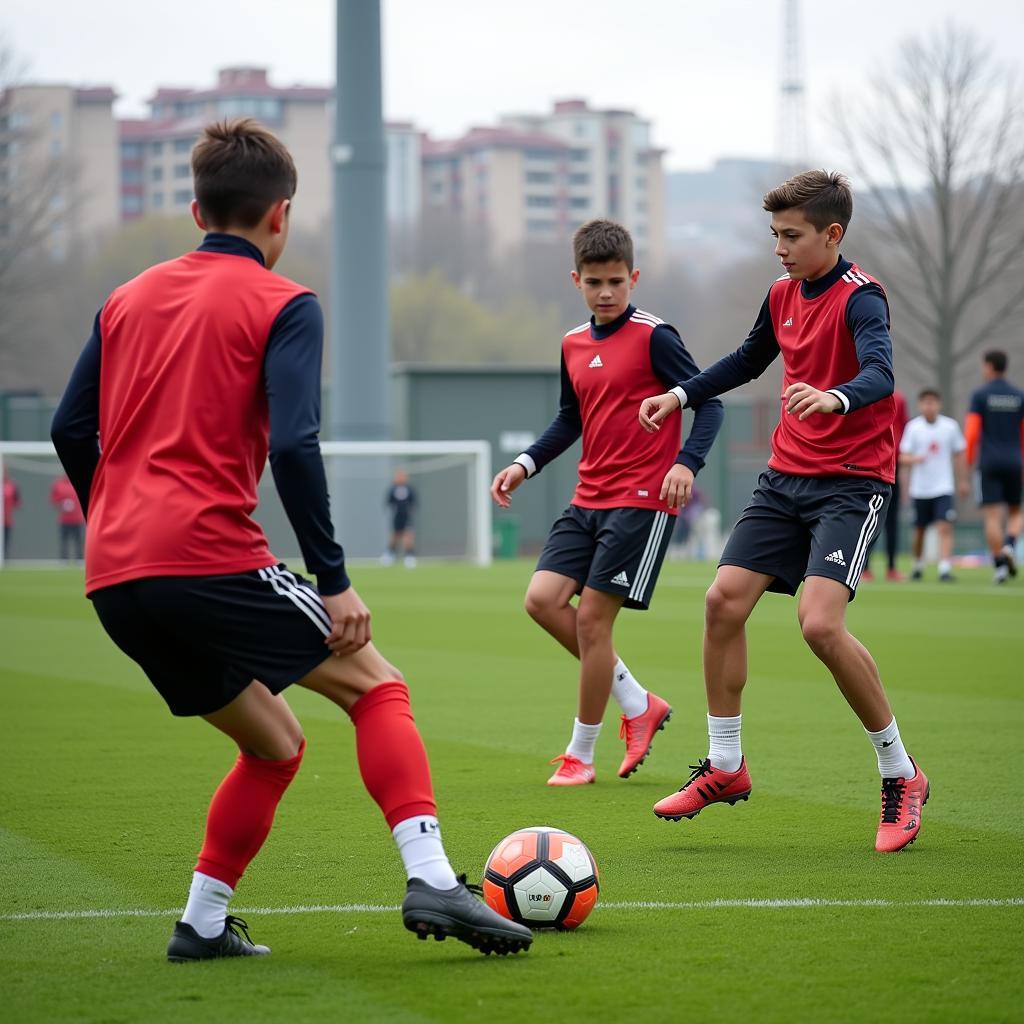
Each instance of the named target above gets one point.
<point>194,370</point>
<point>608,545</point>
<point>818,505</point>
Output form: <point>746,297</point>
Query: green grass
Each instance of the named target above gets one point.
<point>103,795</point>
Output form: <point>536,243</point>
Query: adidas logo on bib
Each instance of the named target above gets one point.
<point>836,556</point>
<point>596,361</point>
<point>622,580</point>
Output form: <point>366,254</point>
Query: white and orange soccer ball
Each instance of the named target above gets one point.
<point>542,877</point>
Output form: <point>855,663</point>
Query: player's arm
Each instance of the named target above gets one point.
<point>867,317</point>
<point>291,372</point>
<point>961,470</point>
<point>973,428</point>
<point>563,432</point>
<point>76,423</point>
<point>671,362</point>
<point>749,361</point>
<point>908,456</point>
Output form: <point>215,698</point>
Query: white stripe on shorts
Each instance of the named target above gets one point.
<point>304,598</point>
<point>867,534</point>
<point>649,557</point>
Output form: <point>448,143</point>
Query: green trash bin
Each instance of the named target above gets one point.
<point>506,536</point>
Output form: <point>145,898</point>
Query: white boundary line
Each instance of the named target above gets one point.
<point>378,908</point>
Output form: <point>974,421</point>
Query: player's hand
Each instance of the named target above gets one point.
<point>677,486</point>
<point>506,482</point>
<point>654,410</point>
<point>351,620</point>
<point>802,400</point>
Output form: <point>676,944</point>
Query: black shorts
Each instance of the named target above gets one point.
<point>202,640</point>
<point>401,521</point>
<point>614,550</point>
<point>934,510</point>
<point>800,526</point>
<point>1001,486</point>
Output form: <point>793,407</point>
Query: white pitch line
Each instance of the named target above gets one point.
<point>378,908</point>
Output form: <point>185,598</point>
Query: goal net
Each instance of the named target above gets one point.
<point>451,520</point>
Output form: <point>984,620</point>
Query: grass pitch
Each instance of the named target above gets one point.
<point>773,910</point>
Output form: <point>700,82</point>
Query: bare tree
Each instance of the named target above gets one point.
<point>34,204</point>
<point>938,139</point>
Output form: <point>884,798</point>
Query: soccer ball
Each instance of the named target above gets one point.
<point>542,877</point>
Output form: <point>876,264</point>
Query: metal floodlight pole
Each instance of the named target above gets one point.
<point>360,355</point>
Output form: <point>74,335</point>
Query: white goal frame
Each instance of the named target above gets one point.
<point>480,511</point>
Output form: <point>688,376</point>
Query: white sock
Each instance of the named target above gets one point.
<point>724,743</point>
<point>918,565</point>
<point>628,693</point>
<point>419,843</point>
<point>945,568</point>
<point>893,760</point>
<point>207,905</point>
<point>583,739</point>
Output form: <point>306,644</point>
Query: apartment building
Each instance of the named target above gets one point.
<point>536,178</point>
<point>58,147</point>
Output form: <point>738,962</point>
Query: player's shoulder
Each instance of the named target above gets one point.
<point>579,329</point>
<point>645,319</point>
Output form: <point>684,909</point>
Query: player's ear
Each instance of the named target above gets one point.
<point>279,215</point>
<point>198,217</point>
<point>834,234</point>
<point>634,277</point>
<point>575,278</point>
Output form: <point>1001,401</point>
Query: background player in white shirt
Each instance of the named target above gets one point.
<point>934,447</point>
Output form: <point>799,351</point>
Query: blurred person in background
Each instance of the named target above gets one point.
<point>70,521</point>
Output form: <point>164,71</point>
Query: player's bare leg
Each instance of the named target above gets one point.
<point>595,619</point>
<point>945,529</point>
<point>722,776</point>
<point>905,788</point>
<point>549,603</point>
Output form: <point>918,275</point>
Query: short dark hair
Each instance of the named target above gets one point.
<point>240,170</point>
<point>823,197</point>
<point>929,393</point>
<point>997,359</point>
<point>602,241</point>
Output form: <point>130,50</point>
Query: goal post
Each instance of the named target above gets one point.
<point>453,517</point>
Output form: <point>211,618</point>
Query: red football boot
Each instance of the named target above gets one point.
<point>707,785</point>
<point>902,800</point>
<point>571,772</point>
<point>639,733</point>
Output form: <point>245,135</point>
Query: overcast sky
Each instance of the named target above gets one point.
<point>706,73</point>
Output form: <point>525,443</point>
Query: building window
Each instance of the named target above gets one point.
<point>182,195</point>
<point>157,200</point>
<point>131,204</point>
<point>540,202</point>
<point>641,206</point>
<point>579,155</point>
<point>131,150</point>
<point>641,183</point>
<point>55,147</point>
<point>156,147</point>
<point>131,176</point>
<point>156,173</point>
<point>56,120</point>
<point>579,178</point>
<point>579,202</point>
<point>182,171</point>
<point>249,106</point>
<point>539,177</point>
<point>182,145</point>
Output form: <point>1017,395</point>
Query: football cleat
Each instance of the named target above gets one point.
<point>867,576</point>
<point>894,576</point>
<point>639,733</point>
<point>707,785</point>
<point>902,800</point>
<point>461,914</point>
<point>571,772</point>
<point>1002,574</point>
<point>1009,559</point>
<point>187,944</point>
<point>917,575</point>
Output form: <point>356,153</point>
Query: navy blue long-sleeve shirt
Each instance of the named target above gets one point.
<point>291,371</point>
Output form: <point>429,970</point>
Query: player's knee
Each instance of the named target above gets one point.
<point>538,605</point>
<point>822,634</point>
<point>722,609</point>
<point>592,628</point>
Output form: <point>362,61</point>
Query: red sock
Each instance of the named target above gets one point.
<point>241,813</point>
<point>392,760</point>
